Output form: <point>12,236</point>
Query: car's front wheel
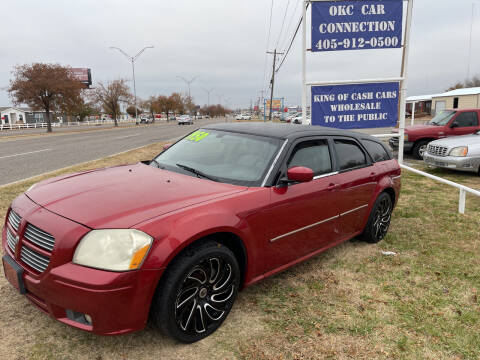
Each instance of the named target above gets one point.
<point>197,292</point>
<point>379,219</point>
<point>420,149</point>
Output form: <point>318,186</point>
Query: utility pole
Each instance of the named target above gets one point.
<point>272,81</point>
<point>470,43</point>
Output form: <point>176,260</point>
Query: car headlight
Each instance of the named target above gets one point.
<point>460,151</point>
<point>113,249</point>
<point>406,137</point>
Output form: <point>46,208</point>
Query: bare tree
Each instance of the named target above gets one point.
<point>152,105</point>
<point>48,87</point>
<point>110,95</point>
<point>131,110</point>
<point>472,82</point>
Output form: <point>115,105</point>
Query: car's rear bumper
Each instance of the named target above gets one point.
<point>468,164</point>
<point>117,302</point>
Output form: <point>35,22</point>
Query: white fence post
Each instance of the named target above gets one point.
<point>461,201</point>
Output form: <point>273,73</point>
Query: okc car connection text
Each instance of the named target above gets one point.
<point>350,25</point>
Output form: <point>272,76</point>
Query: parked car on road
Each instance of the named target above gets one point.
<point>458,153</point>
<point>184,120</point>
<point>243,117</point>
<point>145,120</point>
<point>445,124</point>
<point>213,215</point>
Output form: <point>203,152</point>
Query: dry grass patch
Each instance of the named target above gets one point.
<point>351,302</point>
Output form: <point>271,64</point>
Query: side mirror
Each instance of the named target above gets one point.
<point>299,174</point>
<point>454,125</point>
<point>166,146</point>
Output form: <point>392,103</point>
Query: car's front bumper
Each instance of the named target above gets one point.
<point>407,145</point>
<point>117,302</point>
<point>469,164</point>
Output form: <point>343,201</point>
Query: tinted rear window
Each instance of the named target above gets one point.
<point>350,155</point>
<point>376,150</point>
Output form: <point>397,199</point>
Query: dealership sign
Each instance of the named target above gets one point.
<point>355,25</point>
<point>355,106</point>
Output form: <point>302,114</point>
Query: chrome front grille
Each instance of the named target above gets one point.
<point>39,237</point>
<point>437,150</point>
<point>14,219</point>
<point>11,241</point>
<point>34,259</point>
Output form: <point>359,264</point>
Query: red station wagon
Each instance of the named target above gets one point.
<point>177,237</point>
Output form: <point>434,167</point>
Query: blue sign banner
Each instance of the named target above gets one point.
<point>356,25</point>
<point>355,106</point>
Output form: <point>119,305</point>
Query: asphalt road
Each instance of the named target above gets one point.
<point>22,158</point>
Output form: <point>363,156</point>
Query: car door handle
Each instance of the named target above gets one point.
<point>332,186</point>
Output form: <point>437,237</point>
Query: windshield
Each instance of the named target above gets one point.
<point>222,156</point>
<point>442,118</point>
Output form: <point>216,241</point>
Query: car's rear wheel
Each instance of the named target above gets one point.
<point>420,149</point>
<point>197,292</point>
<point>379,219</point>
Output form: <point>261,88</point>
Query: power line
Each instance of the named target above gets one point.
<point>283,24</point>
<point>287,29</point>
<point>291,42</point>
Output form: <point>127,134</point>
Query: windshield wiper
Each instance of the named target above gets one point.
<point>157,164</point>
<point>197,172</point>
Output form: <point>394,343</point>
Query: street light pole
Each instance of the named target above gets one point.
<point>208,93</point>
<point>188,82</point>
<point>132,60</point>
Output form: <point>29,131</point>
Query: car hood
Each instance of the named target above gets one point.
<point>420,128</point>
<point>453,141</point>
<point>122,196</point>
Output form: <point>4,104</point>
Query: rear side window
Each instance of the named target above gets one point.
<point>314,155</point>
<point>376,150</point>
<point>350,155</point>
<point>467,119</point>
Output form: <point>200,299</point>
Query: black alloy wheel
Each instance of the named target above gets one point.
<point>197,292</point>
<point>379,219</point>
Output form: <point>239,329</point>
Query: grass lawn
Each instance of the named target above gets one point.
<point>351,302</point>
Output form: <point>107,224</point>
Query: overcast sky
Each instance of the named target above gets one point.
<point>223,42</point>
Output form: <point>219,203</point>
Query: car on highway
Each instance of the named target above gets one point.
<point>184,120</point>
<point>447,123</point>
<point>457,153</point>
<point>243,117</point>
<point>299,119</point>
<point>213,215</point>
<point>145,120</point>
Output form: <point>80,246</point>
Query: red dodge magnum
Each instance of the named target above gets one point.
<point>177,237</point>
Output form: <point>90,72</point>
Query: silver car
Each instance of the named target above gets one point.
<point>456,153</point>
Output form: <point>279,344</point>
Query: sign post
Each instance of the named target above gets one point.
<point>357,25</point>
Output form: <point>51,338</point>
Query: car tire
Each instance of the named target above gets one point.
<point>197,292</point>
<point>378,220</point>
<point>420,148</point>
